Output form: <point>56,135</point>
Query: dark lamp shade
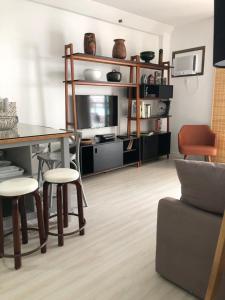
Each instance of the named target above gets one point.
<point>219,34</point>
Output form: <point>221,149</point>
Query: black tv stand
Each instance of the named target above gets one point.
<point>123,151</point>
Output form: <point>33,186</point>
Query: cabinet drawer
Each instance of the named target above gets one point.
<point>108,156</point>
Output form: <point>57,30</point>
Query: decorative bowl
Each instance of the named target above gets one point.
<point>114,76</point>
<point>8,122</point>
<point>147,56</point>
<point>92,74</point>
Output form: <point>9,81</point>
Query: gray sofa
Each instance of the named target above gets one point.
<point>188,229</point>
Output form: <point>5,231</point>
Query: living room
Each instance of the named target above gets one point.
<point>125,101</point>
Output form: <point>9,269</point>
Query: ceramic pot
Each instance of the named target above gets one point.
<point>92,74</point>
<point>147,56</point>
<point>89,43</point>
<point>114,76</point>
<point>119,49</point>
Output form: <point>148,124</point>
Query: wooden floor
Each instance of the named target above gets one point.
<point>115,259</point>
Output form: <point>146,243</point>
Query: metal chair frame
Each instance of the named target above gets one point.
<point>51,164</point>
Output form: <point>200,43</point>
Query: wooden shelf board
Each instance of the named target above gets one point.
<point>142,134</point>
<point>102,59</point>
<point>131,150</point>
<point>151,98</point>
<point>102,83</point>
<point>144,65</point>
<point>115,61</point>
<point>152,117</point>
<point>146,98</point>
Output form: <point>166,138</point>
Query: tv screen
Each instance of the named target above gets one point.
<point>96,111</point>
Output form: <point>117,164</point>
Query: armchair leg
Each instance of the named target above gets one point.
<point>208,158</point>
<point>185,156</point>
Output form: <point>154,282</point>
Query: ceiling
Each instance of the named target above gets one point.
<point>173,12</point>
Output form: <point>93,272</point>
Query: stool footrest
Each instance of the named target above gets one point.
<point>68,233</point>
<point>28,252</point>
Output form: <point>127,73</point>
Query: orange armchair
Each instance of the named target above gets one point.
<point>197,140</point>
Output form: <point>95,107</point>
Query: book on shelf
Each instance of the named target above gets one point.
<point>130,145</point>
<point>145,109</point>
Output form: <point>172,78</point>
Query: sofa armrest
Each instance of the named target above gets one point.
<point>186,242</point>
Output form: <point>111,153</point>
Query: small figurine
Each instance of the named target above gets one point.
<point>151,79</point>
<point>144,79</point>
<point>158,78</point>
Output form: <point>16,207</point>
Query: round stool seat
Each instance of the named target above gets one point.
<point>61,175</point>
<point>18,186</point>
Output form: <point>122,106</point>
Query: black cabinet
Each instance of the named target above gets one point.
<point>164,143</point>
<point>131,151</point>
<point>157,91</point>
<point>108,156</point>
<point>149,147</point>
<point>121,152</point>
<point>87,159</point>
<point>155,145</point>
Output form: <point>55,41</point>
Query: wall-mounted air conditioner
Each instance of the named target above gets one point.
<point>185,65</point>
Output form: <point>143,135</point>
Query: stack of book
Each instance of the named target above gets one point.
<point>145,110</point>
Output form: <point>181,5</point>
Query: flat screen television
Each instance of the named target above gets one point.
<point>96,111</point>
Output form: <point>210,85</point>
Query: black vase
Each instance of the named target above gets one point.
<point>114,76</point>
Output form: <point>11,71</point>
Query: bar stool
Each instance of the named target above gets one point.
<point>62,177</point>
<point>14,190</point>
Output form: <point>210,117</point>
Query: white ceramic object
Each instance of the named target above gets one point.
<point>92,74</point>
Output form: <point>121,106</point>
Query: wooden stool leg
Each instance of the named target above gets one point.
<point>16,233</point>
<point>41,229</point>
<point>65,205</point>
<point>1,231</point>
<point>23,220</point>
<point>60,215</point>
<point>80,207</point>
<point>46,207</point>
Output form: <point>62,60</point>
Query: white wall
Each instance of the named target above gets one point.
<point>32,42</point>
<point>109,14</point>
<point>192,95</point>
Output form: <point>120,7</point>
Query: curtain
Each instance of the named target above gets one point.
<point>218,113</point>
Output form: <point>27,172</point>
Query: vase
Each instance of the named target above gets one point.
<point>89,44</point>
<point>114,76</point>
<point>119,49</point>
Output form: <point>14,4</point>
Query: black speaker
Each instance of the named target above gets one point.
<point>219,34</point>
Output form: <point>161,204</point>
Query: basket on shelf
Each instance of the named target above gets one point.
<point>8,117</point>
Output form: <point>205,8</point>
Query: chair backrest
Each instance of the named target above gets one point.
<point>195,135</point>
<point>75,148</point>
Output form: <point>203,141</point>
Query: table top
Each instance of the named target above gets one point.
<point>27,132</point>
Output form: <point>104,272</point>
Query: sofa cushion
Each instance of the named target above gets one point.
<point>202,184</point>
